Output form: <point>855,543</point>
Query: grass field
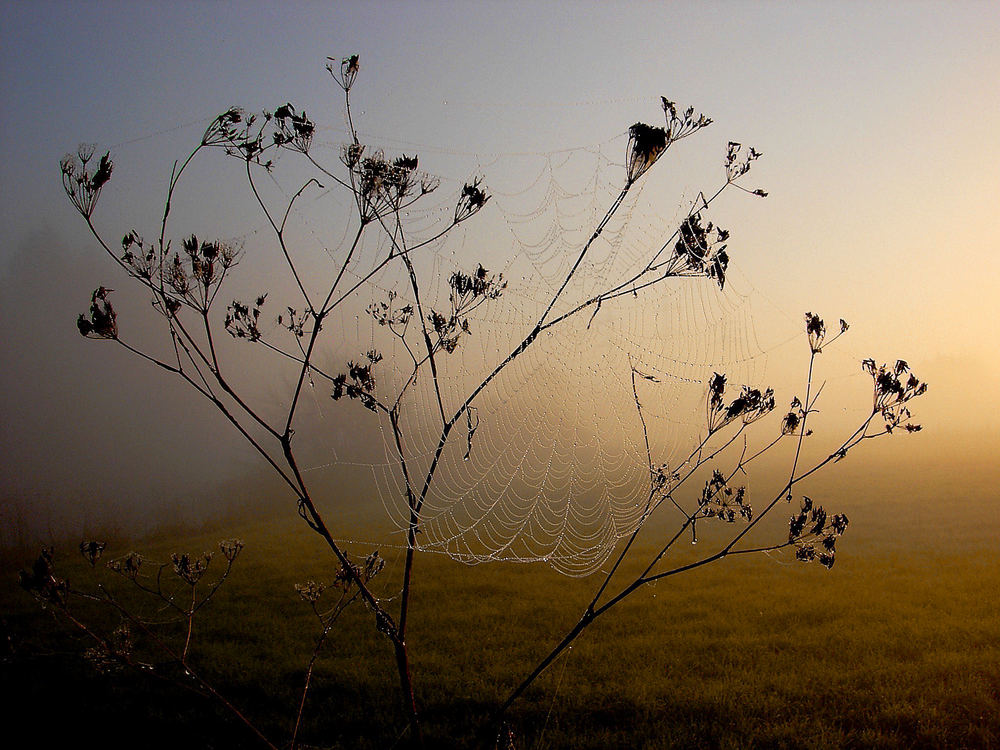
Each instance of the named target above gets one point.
<point>897,647</point>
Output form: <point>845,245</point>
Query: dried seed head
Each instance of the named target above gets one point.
<point>310,591</point>
<point>230,548</point>
<point>472,199</point>
<point>191,569</point>
<point>41,581</point>
<point>816,330</point>
<point>103,321</point>
<point>646,144</point>
<point>82,187</point>
<point>127,566</point>
<point>92,551</point>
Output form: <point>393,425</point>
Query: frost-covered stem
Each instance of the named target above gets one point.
<point>327,627</point>
<point>384,623</point>
<point>308,681</point>
<point>189,615</point>
<point>206,686</point>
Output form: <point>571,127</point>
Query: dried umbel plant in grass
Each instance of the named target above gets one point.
<point>184,287</point>
<point>328,611</point>
<point>41,581</point>
<point>145,637</point>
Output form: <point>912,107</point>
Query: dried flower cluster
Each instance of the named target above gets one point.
<point>292,129</point>
<point>82,186</point>
<point>310,591</point>
<point>386,314</point>
<point>127,566</point>
<point>140,258</point>
<point>682,124</point>
<point>197,275</point>
<point>467,292</point>
<point>738,163</point>
<point>103,322</point>
<point>891,393</point>
<point>230,549</point>
<point>113,649</point>
<point>92,551</point>
<point>242,320</point>
<point>382,186</point>
<point>791,421</point>
<point>242,136</point>
<point>237,134</point>
<point>721,501</point>
<point>814,534</point>
<point>191,569</point>
<point>647,143</point>
<point>466,288</point>
<point>41,581</point>
<point>816,330</point>
<point>371,567</point>
<point>225,129</point>
<point>295,322</point>
<point>698,253</point>
<point>664,478</point>
<point>472,199</point>
<point>114,652</point>
<point>358,382</point>
<point>749,406</point>
<point>346,72</point>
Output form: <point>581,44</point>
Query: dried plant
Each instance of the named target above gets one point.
<point>812,533</point>
<point>184,286</point>
<point>142,638</point>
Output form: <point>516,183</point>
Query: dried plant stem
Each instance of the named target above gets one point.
<point>179,658</point>
<point>328,623</point>
<point>184,286</point>
<point>593,610</point>
<point>190,626</point>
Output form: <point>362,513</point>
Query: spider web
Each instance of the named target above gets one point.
<point>550,463</point>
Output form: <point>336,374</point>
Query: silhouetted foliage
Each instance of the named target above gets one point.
<point>184,285</point>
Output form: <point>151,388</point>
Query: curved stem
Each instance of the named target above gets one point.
<point>278,230</point>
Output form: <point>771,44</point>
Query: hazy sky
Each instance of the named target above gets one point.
<point>878,121</point>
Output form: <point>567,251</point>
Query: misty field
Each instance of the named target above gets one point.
<point>898,647</point>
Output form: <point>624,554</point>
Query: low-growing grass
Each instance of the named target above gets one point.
<point>897,647</point>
